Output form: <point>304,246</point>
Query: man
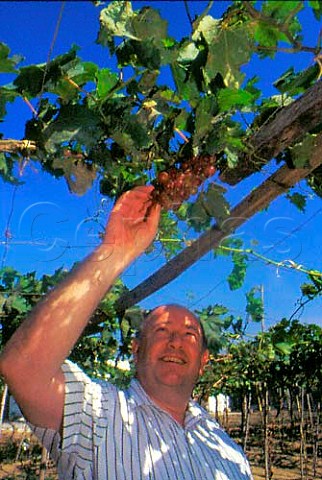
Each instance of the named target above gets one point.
<point>93,430</point>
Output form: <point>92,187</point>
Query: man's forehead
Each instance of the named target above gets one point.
<point>173,316</point>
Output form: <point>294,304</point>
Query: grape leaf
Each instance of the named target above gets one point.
<point>74,123</point>
<point>78,175</point>
<point>186,87</point>
<point>216,204</point>
<point>254,306</point>
<point>6,168</point>
<point>148,24</point>
<point>316,6</point>
<point>34,79</point>
<point>197,215</point>
<point>7,94</point>
<point>296,83</point>
<point>106,80</point>
<point>208,206</point>
<point>206,109</point>
<point>139,53</point>
<point>268,35</point>
<point>227,53</point>
<point>301,153</point>
<point>237,276</point>
<point>229,98</point>
<point>298,200</point>
<point>187,54</point>
<point>206,28</point>
<point>285,348</point>
<point>7,65</point>
<point>281,10</point>
<point>115,20</point>
<point>15,302</point>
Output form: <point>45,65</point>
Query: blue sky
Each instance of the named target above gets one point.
<point>50,228</point>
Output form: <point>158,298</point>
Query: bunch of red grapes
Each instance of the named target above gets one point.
<point>175,185</point>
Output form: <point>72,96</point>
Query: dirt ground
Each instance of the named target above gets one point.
<point>20,459</point>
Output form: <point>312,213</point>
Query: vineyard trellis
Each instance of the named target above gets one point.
<point>130,127</point>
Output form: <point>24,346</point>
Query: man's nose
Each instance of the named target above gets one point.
<point>175,339</point>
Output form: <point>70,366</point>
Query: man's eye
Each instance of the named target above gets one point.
<point>161,329</point>
<point>192,334</point>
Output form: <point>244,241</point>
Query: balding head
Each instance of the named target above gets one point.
<point>161,309</point>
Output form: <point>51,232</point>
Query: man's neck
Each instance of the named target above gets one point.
<point>171,400</point>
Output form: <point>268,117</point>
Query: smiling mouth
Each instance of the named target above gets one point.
<point>170,359</point>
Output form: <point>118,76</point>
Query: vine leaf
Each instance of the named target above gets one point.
<point>115,20</point>
<point>296,83</point>
<point>78,175</point>
<point>33,79</point>
<point>7,94</point>
<point>298,200</point>
<point>119,20</point>
<point>106,80</point>
<point>316,6</point>
<point>210,205</point>
<point>205,111</point>
<point>148,24</point>
<point>254,306</point>
<point>216,204</point>
<point>229,49</point>
<point>239,258</point>
<point>285,348</point>
<point>6,168</point>
<point>237,276</point>
<point>7,65</point>
<point>233,98</point>
<point>302,152</point>
<point>14,302</point>
<point>74,123</point>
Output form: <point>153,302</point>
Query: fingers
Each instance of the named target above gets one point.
<point>134,220</point>
<point>137,194</point>
<point>135,203</point>
<point>153,214</point>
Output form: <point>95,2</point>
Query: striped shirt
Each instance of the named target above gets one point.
<point>113,434</point>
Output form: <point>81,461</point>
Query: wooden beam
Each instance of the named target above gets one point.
<point>12,146</point>
<point>288,125</point>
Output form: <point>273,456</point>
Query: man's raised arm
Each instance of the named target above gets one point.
<point>31,361</point>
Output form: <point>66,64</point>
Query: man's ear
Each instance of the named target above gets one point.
<point>204,360</point>
<point>135,348</point>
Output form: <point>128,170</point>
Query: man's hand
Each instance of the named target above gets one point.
<point>133,222</point>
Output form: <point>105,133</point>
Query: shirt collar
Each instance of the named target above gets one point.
<point>194,412</point>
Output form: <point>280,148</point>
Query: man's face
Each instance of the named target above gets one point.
<point>170,351</point>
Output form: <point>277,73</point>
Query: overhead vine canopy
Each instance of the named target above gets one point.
<point>179,113</point>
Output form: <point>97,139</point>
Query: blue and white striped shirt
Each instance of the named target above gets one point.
<point>112,434</point>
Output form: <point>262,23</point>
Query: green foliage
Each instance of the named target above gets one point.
<point>125,122</point>
<point>8,65</point>
<point>19,294</point>
<point>301,153</point>
<point>255,307</point>
<point>298,200</point>
<point>316,7</point>
<point>287,356</point>
<point>314,288</point>
<point>292,83</point>
<point>216,322</point>
<point>6,168</point>
<point>210,205</point>
<point>232,246</point>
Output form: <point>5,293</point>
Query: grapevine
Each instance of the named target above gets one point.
<point>179,182</point>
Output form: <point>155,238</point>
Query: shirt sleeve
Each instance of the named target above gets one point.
<point>75,452</point>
